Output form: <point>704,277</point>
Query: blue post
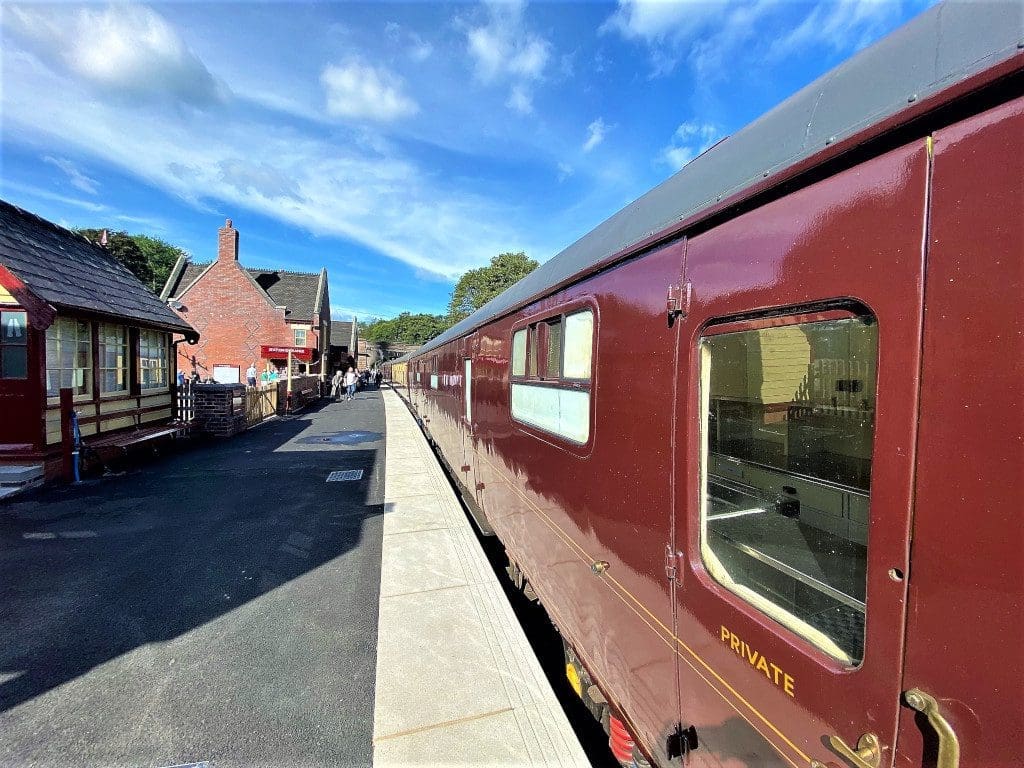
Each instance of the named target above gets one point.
<point>78,445</point>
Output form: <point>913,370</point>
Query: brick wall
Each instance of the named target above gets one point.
<point>219,409</point>
<point>233,316</point>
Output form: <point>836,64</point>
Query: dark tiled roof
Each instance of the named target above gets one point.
<point>341,333</point>
<point>299,292</point>
<point>67,271</point>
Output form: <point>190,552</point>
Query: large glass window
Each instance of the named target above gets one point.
<point>152,359</point>
<point>13,345</point>
<point>68,357</point>
<point>787,418</point>
<point>113,358</point>
<point>554,396</point>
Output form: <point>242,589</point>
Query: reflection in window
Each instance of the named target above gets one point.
<point>68,357</point>
<point>152,359</point>
<point>13,345</point>
<point>113,358</point>
<point>560,402</point>
<point>553,351</point>
<point>788,418</point>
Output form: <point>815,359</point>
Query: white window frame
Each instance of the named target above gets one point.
<point>146,349</point>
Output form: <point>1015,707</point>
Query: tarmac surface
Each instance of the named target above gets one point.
<point>219,605</point>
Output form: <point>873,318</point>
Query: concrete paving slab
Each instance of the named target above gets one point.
<point>413,513</point>
<point>457,682</point>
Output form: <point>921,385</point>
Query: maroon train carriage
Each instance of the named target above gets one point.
<point>763,467</point>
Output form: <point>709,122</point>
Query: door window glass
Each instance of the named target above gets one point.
<point>13,345</point>
<point>788,418</point>
<point>469,390</point>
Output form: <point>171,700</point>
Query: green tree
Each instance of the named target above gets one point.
<point>478,286</point>
<point>122,247</point>
<point>407,328</point>
<point>161,256</point>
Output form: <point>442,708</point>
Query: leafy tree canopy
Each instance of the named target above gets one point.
<point>478,286</point>
<point>148,258</point>
<point>407,328</point>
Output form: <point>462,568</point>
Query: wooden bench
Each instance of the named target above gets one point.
<point>133,437</point>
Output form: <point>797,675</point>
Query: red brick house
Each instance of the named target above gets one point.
<point>74,320</point>
<point>239,311</point>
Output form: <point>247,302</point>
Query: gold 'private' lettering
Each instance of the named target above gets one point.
<point>757,660</point>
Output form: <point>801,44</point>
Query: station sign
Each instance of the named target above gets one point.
<point>279,353</point>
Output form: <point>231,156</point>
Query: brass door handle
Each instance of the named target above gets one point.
<point>949,744</point>
<point>868,753</point>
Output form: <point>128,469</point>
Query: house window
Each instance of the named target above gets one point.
<point>787,423</point>
<point>114,358</point>
<point>68,357</point>
<point>552,368</point>
<point>13,345</point>
<point>152,359</point>
<point>300,337</point>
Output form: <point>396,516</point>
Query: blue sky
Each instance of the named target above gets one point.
<point>397,144</point>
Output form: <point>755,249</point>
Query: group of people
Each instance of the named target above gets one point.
<point>348,380</point>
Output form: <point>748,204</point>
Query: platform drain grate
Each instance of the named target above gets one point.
<point>342,475</point>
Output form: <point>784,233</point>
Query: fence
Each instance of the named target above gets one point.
<point>184,402</point>
<point>260,403</point>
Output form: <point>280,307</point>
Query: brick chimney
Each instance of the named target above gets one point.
<point>227,243</point>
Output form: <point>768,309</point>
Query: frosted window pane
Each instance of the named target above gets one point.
<point>579,344</point>
<point>519,353</point>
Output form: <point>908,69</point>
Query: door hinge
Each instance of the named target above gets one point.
<point>681,742</point>
<point>671,563</point>
<point>677,303</point>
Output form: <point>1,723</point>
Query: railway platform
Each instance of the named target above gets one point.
<point>457,681</point>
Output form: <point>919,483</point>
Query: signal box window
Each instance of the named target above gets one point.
<point>13,345</point>
<point>152,359</point>
<point>787,423</point>
<point>113,358</point>
<point>551,373</point>
<point>68,357</point>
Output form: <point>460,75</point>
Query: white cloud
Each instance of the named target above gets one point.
<point>657,20</point>
<point>712,35</point>
<point>595,134</point>
<point>505,50</point>
<point>690,139</point>
<point>414,46</point>
<point>358,90</point>
<point>339,184</point>
<point>520,100</point>
<point>564,172</point>
<point>126,51</point>
<point>77,179</point>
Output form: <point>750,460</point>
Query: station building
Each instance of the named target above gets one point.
<point>247,315</point>
<point>73,319</point>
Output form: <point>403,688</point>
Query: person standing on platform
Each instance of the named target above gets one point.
<point>350,383</point>
<point>250,375</point>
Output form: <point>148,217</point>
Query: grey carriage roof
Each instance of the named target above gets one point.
<point>66,270</point>
<point>940,47</point>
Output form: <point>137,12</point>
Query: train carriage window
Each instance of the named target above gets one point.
<point>556,396</point>
<point>579,345</point>
<point>519,353</point>
<point>787,422</point>
<point>553,348</point>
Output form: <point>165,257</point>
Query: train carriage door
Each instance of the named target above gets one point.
<point>796,415</point>
<point>966,574</point>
